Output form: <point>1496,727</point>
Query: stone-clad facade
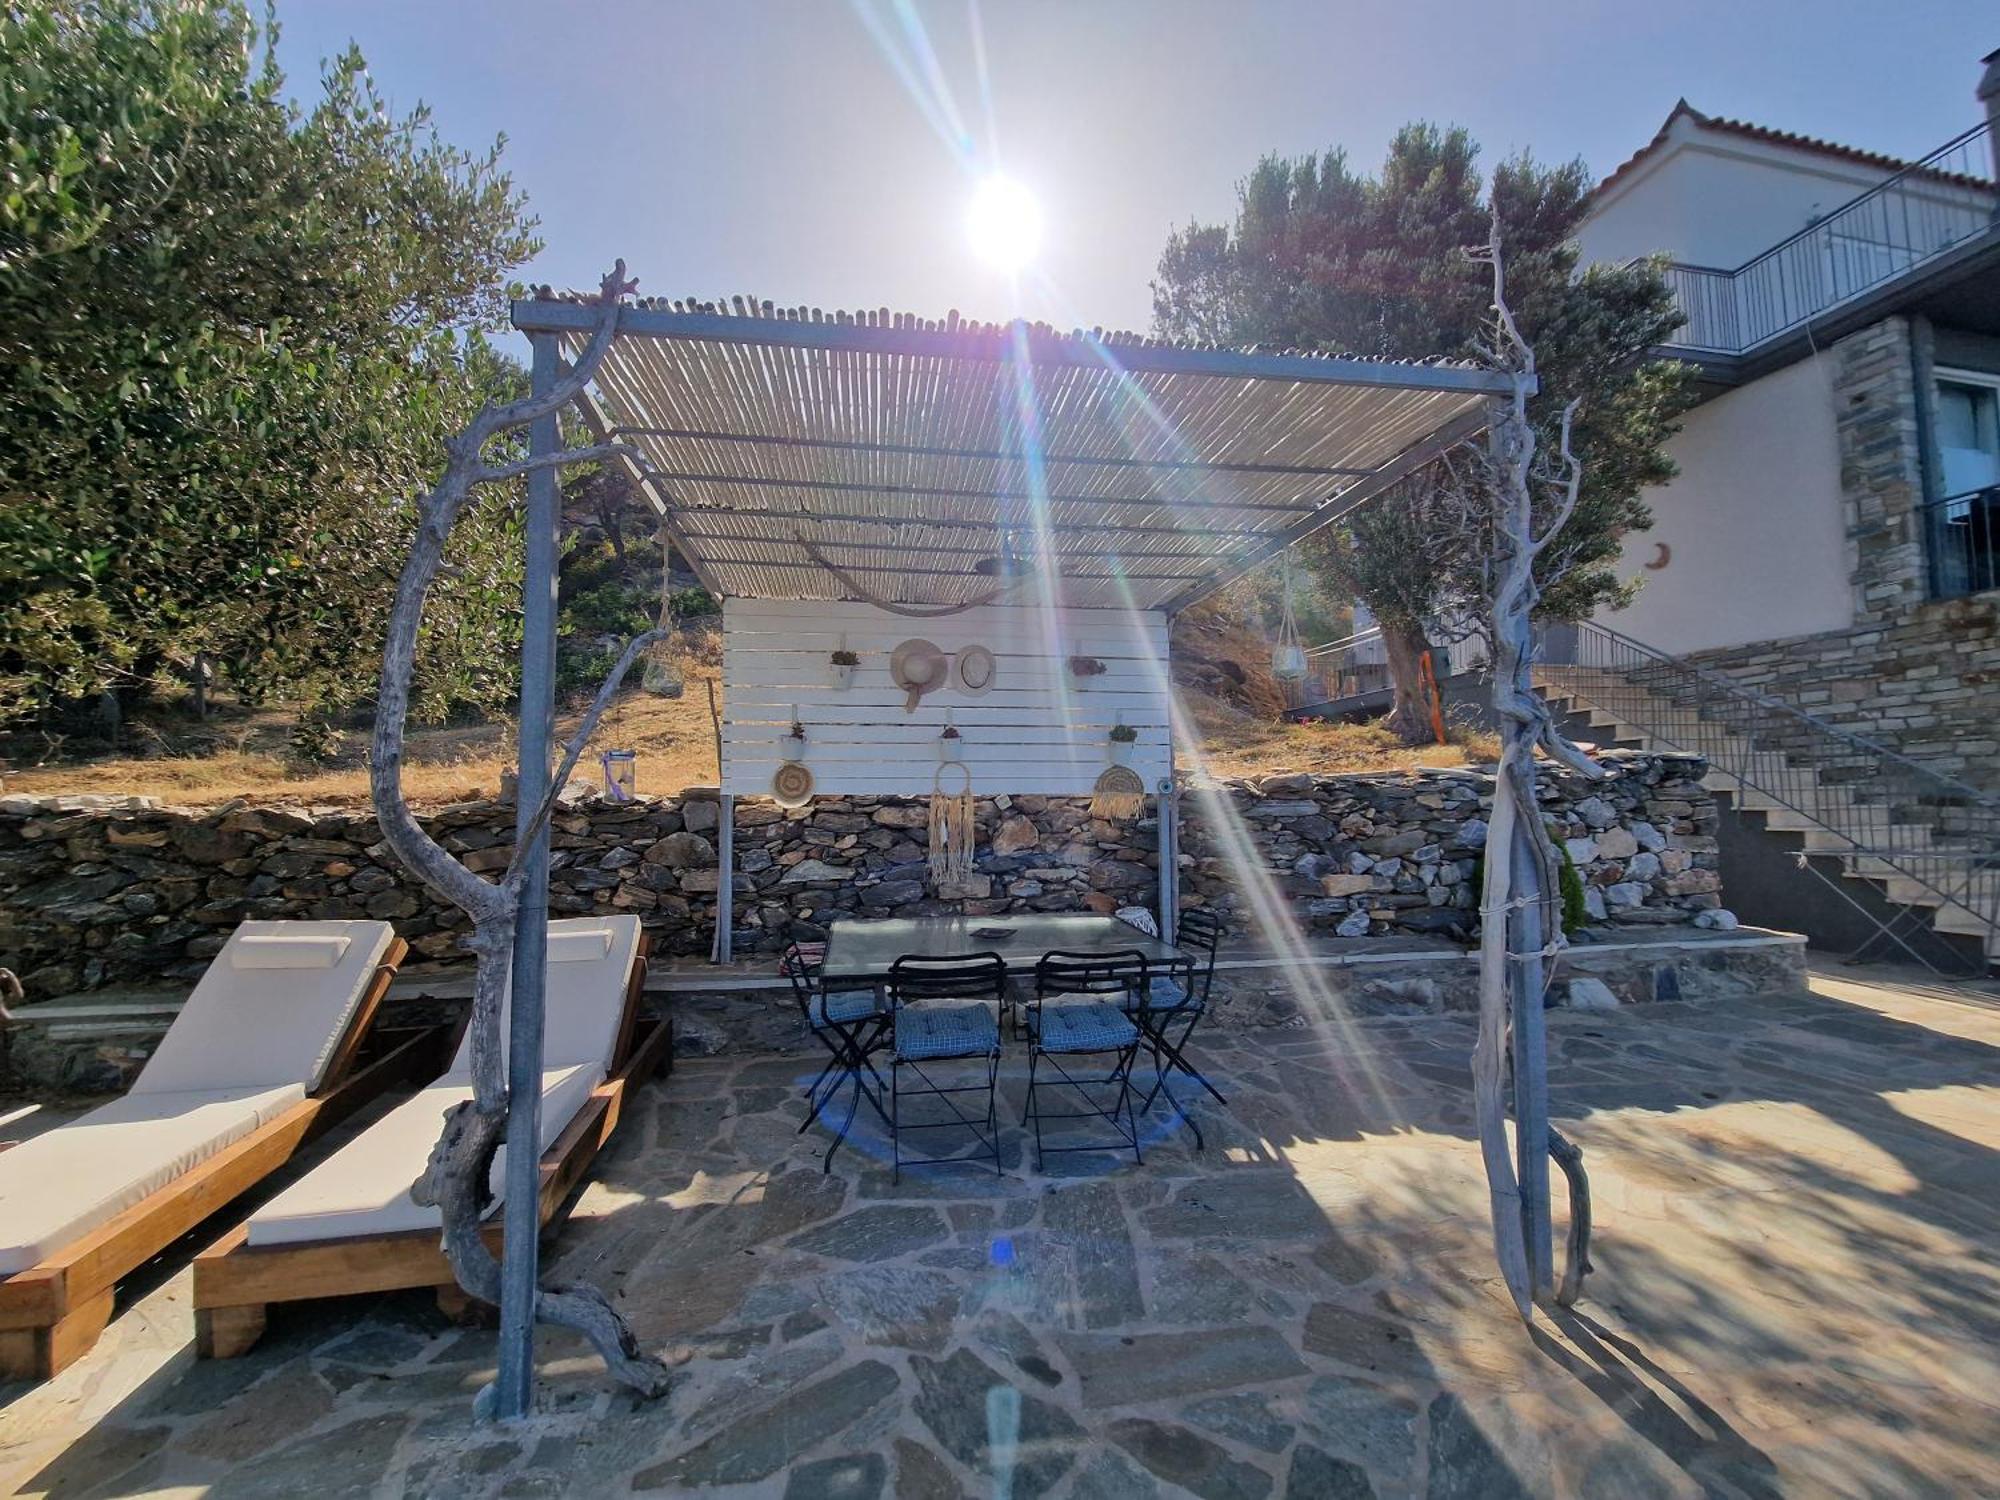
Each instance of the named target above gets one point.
<point>1919,674</point>
<point>95,895</point>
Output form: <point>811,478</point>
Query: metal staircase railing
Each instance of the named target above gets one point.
<point>1914,215</point>
<point>1932,839</point>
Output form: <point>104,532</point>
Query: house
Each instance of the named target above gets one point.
<point>1832,541</point>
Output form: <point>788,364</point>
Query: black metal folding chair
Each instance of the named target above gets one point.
<point>1172,1004</point>
<point>1089,992</point>
<point>851,1024</point>
<point>945,1010</point>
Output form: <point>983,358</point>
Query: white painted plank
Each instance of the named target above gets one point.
<point>1136,709</point>
<point>1030,631</point>
<point>1052,785</point>
<point>1037,781</point>
<point>1052,680</point>
<point>815,647</point>
<point>924,754</point>
<point>748,611</point>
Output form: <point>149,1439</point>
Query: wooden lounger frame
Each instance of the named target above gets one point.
<point>236,1281</point>
<point>53,1312</point>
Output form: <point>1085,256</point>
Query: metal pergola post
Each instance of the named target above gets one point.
<point>519,1270</point>
<point>1169,809</point>
<point>725,882</point>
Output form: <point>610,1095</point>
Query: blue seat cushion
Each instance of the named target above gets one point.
<point>843,1006</point>
<point>1164,994</point>
<point>946,1029</point>
<point>1087,1027</point>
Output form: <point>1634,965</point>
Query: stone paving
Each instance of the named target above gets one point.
<point>1796,1294</point>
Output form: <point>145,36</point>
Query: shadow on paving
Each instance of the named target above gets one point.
<point>1790,1296</point>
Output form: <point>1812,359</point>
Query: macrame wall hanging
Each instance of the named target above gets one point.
<point>952,825</point>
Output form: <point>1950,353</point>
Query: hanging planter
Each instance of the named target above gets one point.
<point>950,747</point>
<point>792,744</point>
<point>841,665</point>
<point>1123,737</point>
<point>1288,656</point>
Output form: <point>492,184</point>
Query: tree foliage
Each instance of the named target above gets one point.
<point>234,336</point>
<point>1324,258</point>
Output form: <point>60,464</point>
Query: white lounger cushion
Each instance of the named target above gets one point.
<point>64,1183</point>
<point>363,1189</point>
<point>272,1008</point>
<point>590,962</point>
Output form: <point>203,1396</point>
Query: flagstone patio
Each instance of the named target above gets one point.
<point>1796,1293</point>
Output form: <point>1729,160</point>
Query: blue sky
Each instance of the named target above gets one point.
<point>823,151</point>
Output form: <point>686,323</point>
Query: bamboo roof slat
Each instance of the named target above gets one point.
<point>1139,471</point>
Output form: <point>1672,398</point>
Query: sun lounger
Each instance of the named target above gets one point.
<point>350,1225</point>
<point>261,1057</point>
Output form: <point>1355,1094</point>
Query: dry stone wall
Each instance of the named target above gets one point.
<point>98,892</point>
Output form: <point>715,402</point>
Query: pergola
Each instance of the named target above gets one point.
<point>1150,472</point>
<point>814,459</point>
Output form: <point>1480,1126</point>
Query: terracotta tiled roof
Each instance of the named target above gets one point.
<point>1743,128</point>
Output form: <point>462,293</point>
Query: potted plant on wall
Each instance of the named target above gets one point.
<point>1123,738</point>
<point>1083,668</point>
<point>841,665</point>
<point>950,745</point>
<point>792,744</point>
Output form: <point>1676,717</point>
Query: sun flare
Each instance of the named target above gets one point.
<point>1004,223</point>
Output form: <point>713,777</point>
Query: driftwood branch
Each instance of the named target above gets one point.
<point>595,453</point>
<point>1576,1255</point>
<point>1521,930</point>
<point>456,1177</point>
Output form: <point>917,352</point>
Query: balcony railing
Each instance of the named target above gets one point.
<point>1922,211</point>
<point>1964,542</point>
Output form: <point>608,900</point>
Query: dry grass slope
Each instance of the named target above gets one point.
<point>1229,718</point>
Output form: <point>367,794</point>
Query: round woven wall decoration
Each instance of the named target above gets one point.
<point>1118,793</point>
<point>793,785</point>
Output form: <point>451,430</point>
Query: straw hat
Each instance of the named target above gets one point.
<point>918,667</point>
<point>975,669</point>
<point>793,785</point>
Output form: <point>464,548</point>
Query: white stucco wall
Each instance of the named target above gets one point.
<point>1753,527</point>
<point>1712,198</point>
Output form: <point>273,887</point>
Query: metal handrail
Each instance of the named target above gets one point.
<point>1802,275</point>
<point>1964,535</point>
<point>1372,633</point>
<point>1896,808</point>
<point>1922,166</point>
<point>1734,689</point>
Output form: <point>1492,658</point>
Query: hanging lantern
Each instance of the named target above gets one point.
<point>1288,656</point>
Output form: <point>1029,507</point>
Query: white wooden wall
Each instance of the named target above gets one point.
<point>1037,731</point>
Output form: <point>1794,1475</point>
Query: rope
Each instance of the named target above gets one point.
<point>909,611</point>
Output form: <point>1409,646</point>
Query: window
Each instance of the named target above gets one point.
<point>1965,519</point>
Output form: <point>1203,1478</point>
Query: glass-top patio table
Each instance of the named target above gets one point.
<point>862,951</point>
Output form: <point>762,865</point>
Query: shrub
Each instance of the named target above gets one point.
<point>1569,886</point>
<point>1575,913</point>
